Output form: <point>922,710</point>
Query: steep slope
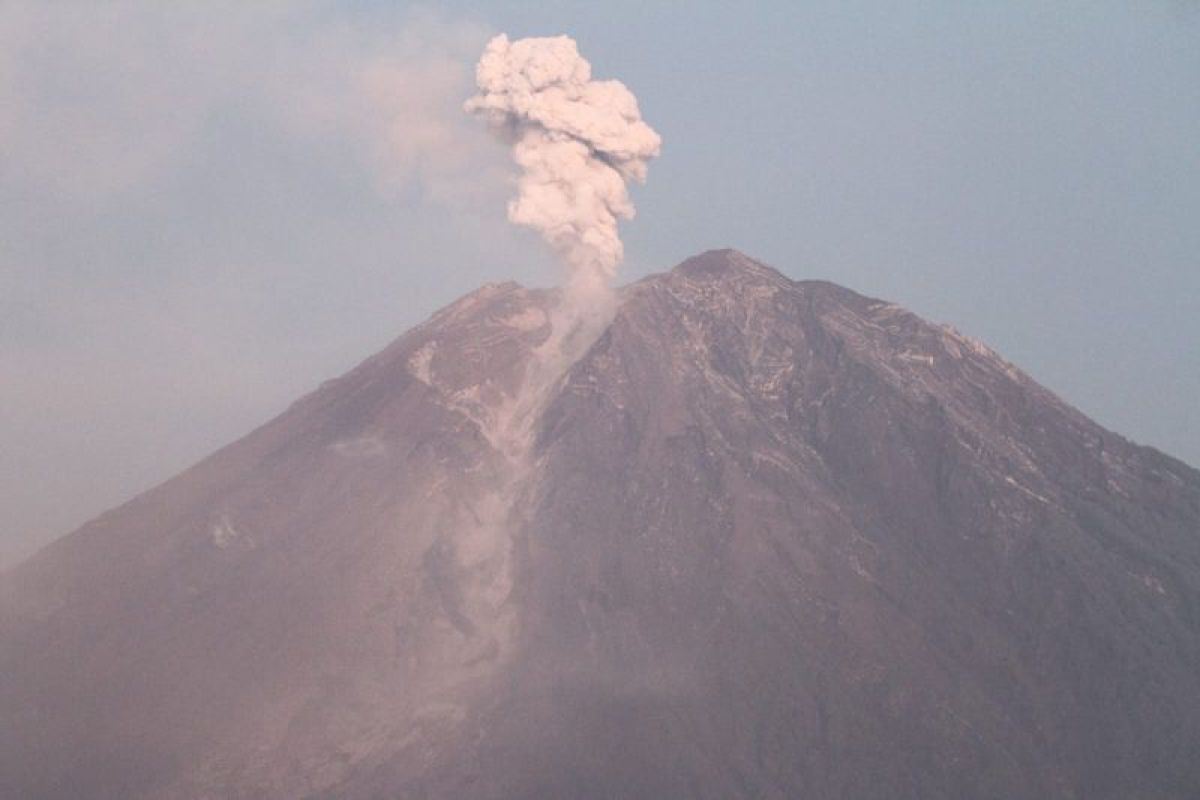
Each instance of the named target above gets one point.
<point>251,626</point>
<point>764,539</point>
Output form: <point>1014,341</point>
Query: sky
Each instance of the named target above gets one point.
<point>208,208</point>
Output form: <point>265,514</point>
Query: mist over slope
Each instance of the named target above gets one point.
<point>756,538</point>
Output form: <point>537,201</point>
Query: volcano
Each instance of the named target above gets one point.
<point>759,539</point>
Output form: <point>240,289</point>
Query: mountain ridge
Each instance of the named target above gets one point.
<point>761,538</point>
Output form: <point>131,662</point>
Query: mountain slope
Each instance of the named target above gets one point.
<point>762,539</point>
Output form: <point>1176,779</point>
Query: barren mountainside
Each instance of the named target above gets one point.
<point>760,539</point>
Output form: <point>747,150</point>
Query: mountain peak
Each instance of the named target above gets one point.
<point>734,278</point>
<point>723,263</point>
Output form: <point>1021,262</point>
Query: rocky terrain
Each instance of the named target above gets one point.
<point>757,538</point>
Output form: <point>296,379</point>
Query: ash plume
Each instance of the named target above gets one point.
<point>578,143</point>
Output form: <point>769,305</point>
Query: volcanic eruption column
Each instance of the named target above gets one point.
<point>578,143</point>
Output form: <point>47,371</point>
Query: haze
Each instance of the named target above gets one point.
<point>208,209</point>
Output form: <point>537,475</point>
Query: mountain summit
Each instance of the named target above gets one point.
<point>761,539</point>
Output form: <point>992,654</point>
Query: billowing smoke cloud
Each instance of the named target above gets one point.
<point>578,143</point>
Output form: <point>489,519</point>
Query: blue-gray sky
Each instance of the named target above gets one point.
<point>208,208</point>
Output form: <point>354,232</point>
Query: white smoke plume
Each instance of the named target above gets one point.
<point>578,142</point>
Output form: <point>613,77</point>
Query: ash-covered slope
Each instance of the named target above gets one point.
<point>763,539</point>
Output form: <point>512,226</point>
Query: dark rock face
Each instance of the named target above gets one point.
<point>763,539</point>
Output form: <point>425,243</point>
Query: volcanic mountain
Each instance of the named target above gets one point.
<point>756,538</point>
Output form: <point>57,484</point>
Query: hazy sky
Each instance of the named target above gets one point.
<point>206,209</point>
